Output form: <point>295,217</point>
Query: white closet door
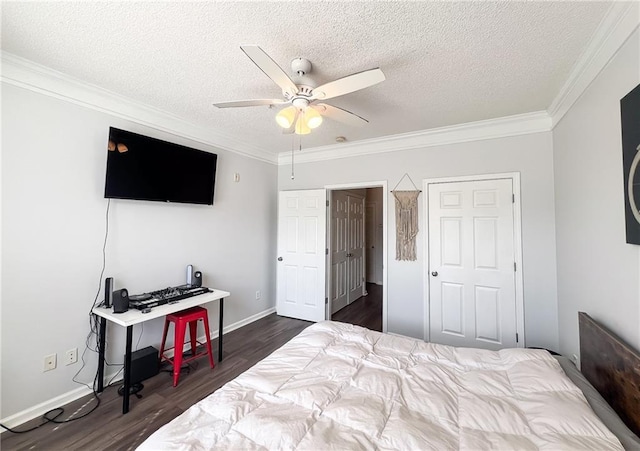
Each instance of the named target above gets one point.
<point>471,264</point>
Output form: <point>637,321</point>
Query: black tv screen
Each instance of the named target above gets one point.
<point>144,168</point>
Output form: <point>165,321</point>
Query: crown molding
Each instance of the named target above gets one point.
<point>621,20</point>
<point>520,124</point>
<point>26,74</point>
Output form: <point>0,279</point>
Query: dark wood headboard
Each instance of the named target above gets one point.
<point>613,368</point>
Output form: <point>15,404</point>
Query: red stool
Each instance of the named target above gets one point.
<point>180,320</point>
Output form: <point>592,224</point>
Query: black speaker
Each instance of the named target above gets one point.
<point>197,279</point>
<point>120,301</point>
<point>189,275</point>
<point>108,292</point>
<point>144,364</point>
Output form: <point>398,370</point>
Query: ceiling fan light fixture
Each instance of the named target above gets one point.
<point>302,128</point>
<point>286,116</point>
<point>312,118</point>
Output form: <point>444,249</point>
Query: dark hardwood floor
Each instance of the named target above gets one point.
<point>107,428</point>
<point>366,311</point>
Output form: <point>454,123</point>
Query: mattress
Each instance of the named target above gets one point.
<point>339,386</point>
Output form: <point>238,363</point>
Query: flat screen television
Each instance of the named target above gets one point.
<point>144,168</point>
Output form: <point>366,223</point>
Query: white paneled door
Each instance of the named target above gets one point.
<point>356,248</point>
<point>339,250</point>
<point>472,292</point>
<point>347,249</point>
<point>370,242</point>
<point>301,254</point>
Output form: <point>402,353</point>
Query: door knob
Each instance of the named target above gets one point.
<point>279,259</point>
<point>434,273</point>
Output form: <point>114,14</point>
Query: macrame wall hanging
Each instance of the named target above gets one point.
<point>406,220</point>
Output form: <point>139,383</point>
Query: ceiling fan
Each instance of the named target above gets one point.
<point>302,94</point>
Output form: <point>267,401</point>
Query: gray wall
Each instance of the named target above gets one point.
<point>53,223</point>
<point>597,271</point>
<point>531,155</point>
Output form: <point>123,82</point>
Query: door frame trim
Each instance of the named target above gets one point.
<point>517,233</point>
<point>360,185</point>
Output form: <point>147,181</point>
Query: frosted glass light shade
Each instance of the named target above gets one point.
<point>301,128</point>
<point>312,118</point>
<point>286,117</point>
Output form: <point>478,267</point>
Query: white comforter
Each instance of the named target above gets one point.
<point>344,387</point>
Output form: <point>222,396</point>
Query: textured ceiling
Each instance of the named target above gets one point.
<point>446,62</point>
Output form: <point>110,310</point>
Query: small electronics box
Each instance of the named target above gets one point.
<point>144,364</point>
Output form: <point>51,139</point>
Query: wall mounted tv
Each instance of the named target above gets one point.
<point>144,168</point>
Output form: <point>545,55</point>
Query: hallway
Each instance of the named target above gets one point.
<point>366,311</point>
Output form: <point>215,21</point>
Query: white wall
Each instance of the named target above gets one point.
<point>597,271</point>
<point>53,224</point>
<point>531,155</point>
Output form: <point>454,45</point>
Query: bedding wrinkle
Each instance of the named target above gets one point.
<point>339,386</point>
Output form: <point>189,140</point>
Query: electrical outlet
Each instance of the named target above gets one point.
<point>258,295</point>
<point>71,356</point>
<point>50,362</point>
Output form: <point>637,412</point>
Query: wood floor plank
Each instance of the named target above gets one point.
<point>106,428</point>
<point>365,312</point>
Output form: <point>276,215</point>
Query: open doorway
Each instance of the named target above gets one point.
<point>356,255</point>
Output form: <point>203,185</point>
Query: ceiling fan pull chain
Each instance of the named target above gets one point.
<point>293,146</point>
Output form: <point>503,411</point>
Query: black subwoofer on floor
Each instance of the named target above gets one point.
<point>144,364</point>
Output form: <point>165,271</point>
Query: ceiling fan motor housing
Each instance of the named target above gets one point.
<point>300,103</point>
<point>300,66</point>
<point>304,91</point>
<point>305,84</point>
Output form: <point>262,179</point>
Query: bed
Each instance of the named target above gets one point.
<point>339,386</point>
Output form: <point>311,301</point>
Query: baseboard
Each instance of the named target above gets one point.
<point>244,322</point>
<point>38,410</point>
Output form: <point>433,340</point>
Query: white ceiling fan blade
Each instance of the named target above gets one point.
<point>350,83</point>
<point>270,68</point>
<point>339,114</point>
<point>256,102</point>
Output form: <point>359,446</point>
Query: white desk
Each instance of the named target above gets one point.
<point>131,317</point>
